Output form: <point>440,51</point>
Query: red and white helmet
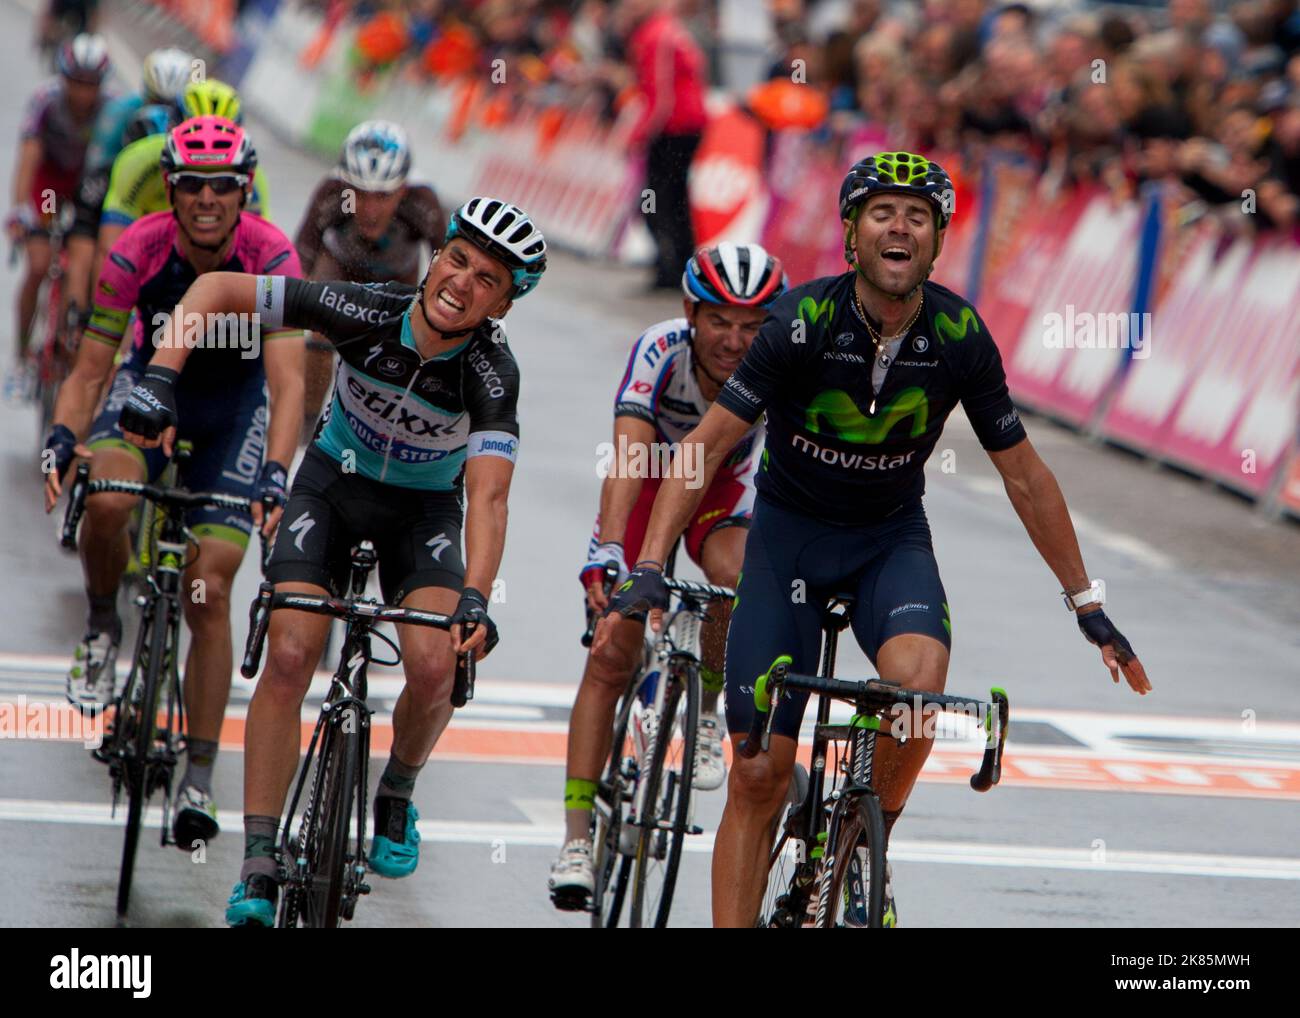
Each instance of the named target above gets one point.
<point>208,144</point>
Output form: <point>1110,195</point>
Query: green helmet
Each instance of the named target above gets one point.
<point>899,172</point>
<point>211,98</point>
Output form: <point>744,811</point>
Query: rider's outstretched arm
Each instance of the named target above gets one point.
<point>1039,503</point>
<point>680,493</point>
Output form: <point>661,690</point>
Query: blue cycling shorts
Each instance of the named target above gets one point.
<point>793,564</point>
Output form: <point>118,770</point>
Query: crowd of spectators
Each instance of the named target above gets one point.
<point>1201,94</point>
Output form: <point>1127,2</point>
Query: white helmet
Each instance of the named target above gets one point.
<point>506,233</point>
<point>376,157</point>
<point>165,74</point>
<point>84,58</point>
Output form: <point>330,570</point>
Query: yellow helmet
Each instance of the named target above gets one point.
<point>211,98</point>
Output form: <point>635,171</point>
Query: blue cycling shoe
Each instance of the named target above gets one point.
<point>252,902</point>
<point>395,852</point>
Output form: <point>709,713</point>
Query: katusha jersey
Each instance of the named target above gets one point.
<point>136,186</point>
<point>146,271</point>
<point>660,387</point>
<point>396,417</point>
<point>839,451</point>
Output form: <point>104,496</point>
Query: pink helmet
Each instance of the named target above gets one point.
<point>208,143</point>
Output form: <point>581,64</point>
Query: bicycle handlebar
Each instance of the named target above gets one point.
<point>172,498</point>
<point>268,599</point>
<point>874,695</point>
<point>684,588</point>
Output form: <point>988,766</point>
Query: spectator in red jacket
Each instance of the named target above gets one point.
<point>670,74</point>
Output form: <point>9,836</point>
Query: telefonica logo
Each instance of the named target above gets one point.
<point>102,972</point>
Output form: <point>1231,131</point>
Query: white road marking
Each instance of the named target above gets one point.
<point>473,832</point>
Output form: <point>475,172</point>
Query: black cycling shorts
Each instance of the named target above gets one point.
<point>793,564</point>
<point>416,533</point>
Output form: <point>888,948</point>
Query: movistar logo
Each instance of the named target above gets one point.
<point>810,311</point>
<point>835,412</point>
<point>948,329</point>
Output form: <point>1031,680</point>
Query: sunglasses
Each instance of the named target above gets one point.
<point>221,183</point>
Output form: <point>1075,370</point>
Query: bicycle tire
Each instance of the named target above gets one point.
<point>667,801</point>
<point>612,868</point>
<point>856,834</point>
<point>327,857</point>
<point>137,765</point>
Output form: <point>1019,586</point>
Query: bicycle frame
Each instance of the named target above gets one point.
<point>344,712</point>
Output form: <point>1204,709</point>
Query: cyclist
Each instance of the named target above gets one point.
<point>857,374</point>
<point>152,109</point>
<point>674,373</point>
<point>136,186</point>
<point>365,223</point>
<point>208,165</point>
<point>423,409</point>
<point>55,134</point>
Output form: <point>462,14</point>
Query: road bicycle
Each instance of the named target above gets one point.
<point>146,735</point>
<point>645,801</point>
<point>827,868</point>
<point>322,856</point>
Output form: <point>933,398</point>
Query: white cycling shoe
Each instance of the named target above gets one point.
<point>92,677</point>
<point>710,764</point>
<point>572,877</point>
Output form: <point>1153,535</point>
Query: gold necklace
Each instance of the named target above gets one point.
<point>876,337</point>
<point>878,340</point>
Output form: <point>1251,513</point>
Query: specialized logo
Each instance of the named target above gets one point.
<point>835,412</point>
<point>948,329</point>
<point>437,545</point>
<point>375,351</point>
<point>300,528</point>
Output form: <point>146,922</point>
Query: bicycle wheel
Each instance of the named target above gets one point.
<point>666,810</point>
<point>853,875</point>
<point>137,762</point>
<point>331,818</point>
<point>612,867</point>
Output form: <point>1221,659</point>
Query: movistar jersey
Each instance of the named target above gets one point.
<point>839,451</point>
<point>136,186</point>
<point>396,417</point>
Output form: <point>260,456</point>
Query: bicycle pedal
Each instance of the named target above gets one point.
<point>363,888</point>
<point>695,829</point>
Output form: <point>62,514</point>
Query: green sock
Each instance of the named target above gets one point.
<point>579,793</point>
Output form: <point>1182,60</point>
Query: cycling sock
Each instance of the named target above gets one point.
<point>103,616</point>
<point>398,781</point>
<point>200,756</point>
<point>259,846</point>
<point>579,793</point>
